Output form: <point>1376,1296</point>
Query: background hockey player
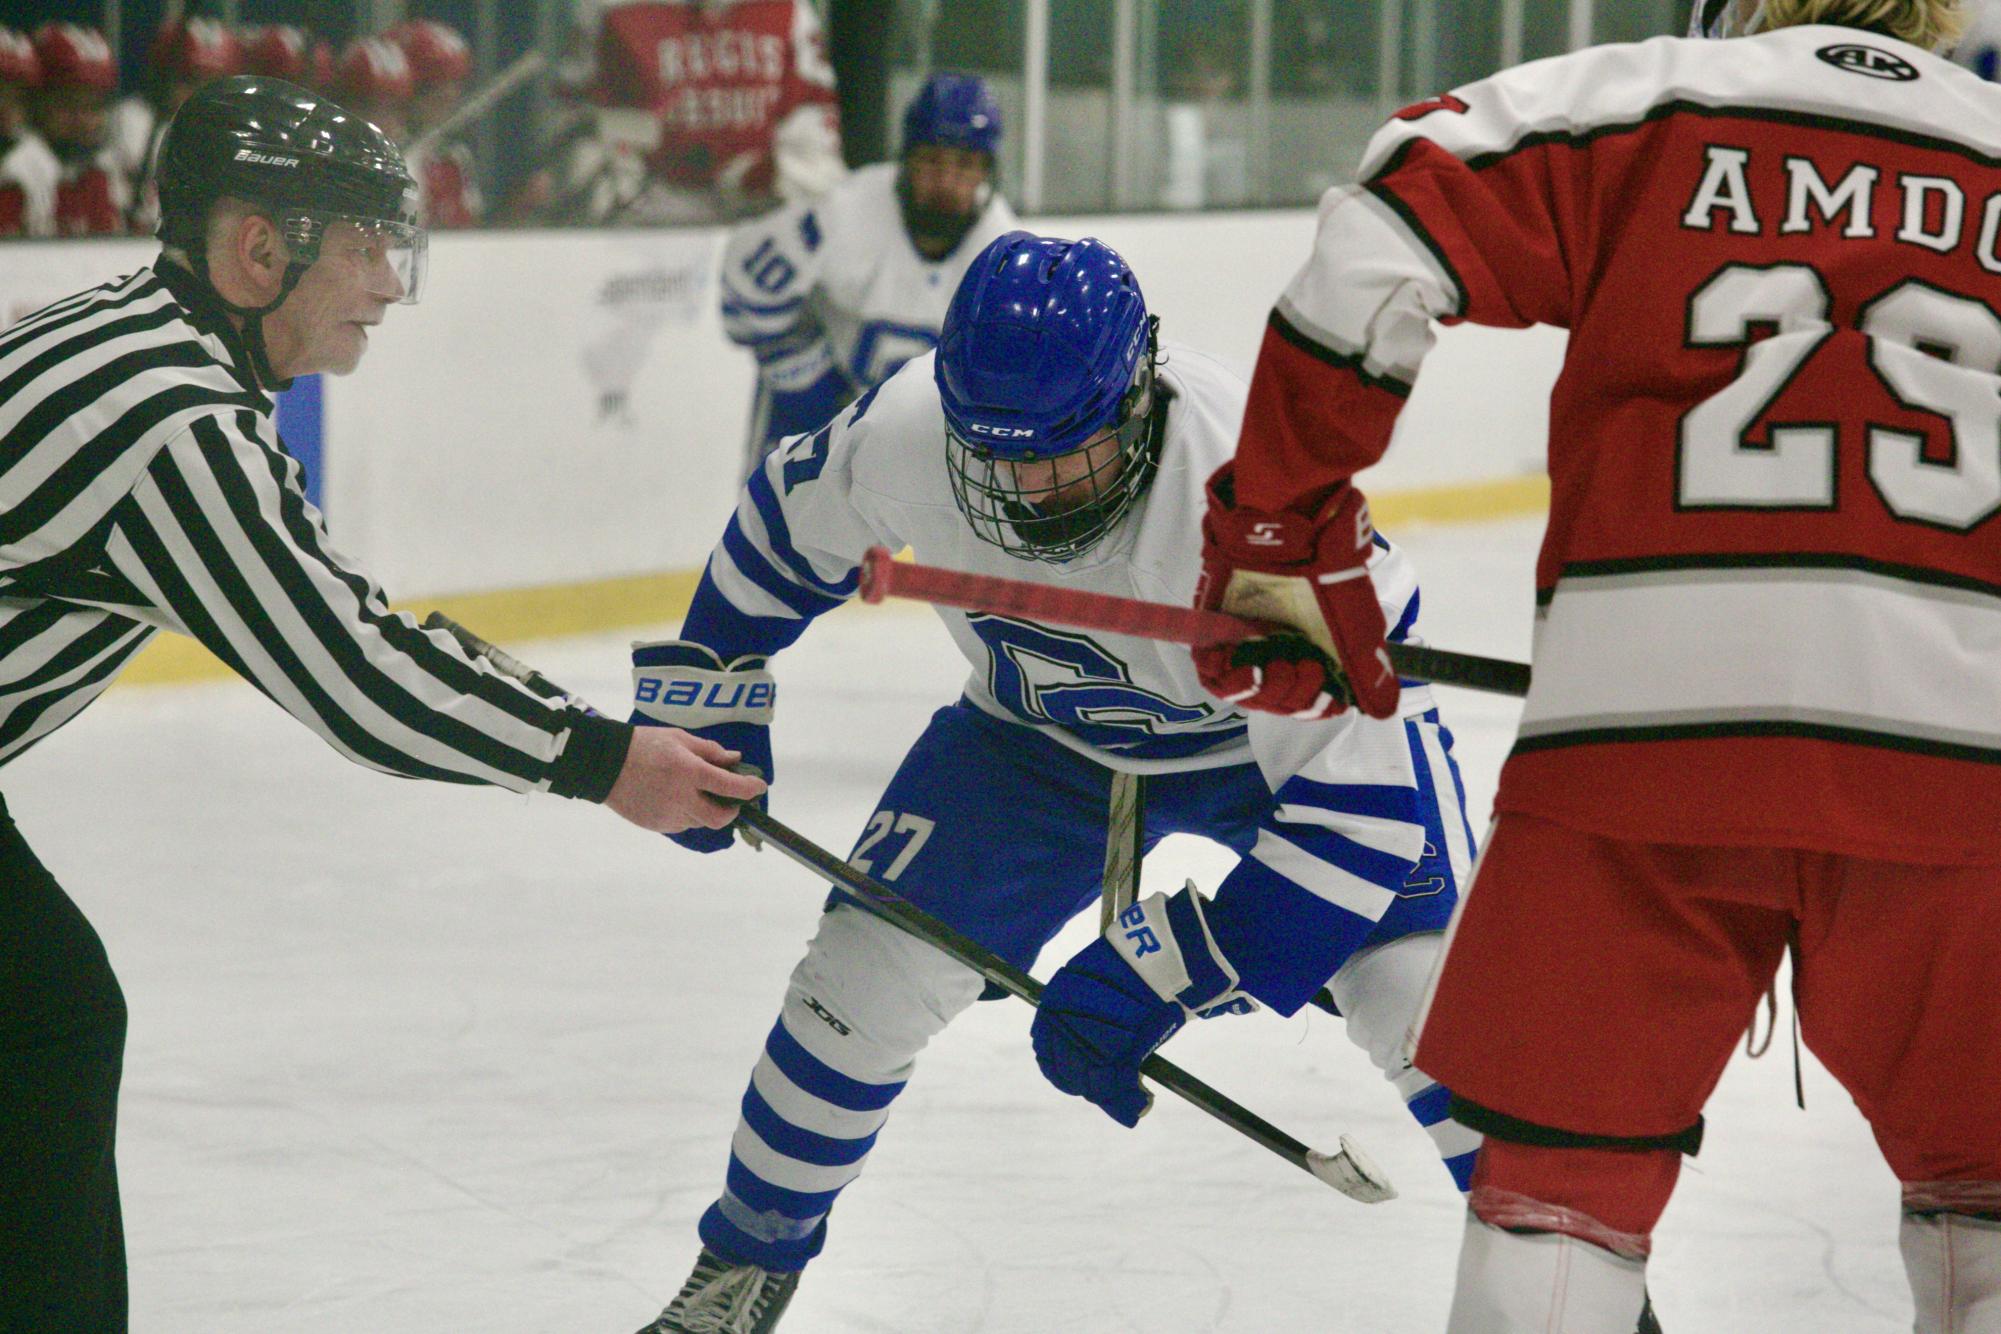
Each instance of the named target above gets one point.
<point>1050,436</point>
<point>730,103</point>
<point>1768,648</point>
<point>69,109</point>
<point>832,297</point>
<point>145,490</point>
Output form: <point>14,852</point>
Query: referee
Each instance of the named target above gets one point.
<point>143,487</point>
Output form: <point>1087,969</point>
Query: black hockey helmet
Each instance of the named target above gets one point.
<point>290,150</point>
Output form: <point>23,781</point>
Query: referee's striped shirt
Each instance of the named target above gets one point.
<point>143,488</point>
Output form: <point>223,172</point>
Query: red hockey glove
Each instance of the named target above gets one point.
<point>1311,573</point>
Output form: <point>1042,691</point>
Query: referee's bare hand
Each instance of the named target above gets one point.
<point>671,781</point>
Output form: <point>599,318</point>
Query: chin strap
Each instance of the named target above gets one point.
<point>252,316</point>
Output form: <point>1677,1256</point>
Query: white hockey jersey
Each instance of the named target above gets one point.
<point>1347,828</point>
<point>877,475</point>
<point>834,294</point>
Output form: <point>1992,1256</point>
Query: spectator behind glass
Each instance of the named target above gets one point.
<point>440,64</point>
<point>27,168</point>
<point>372,78</point>
<point>70,111</point>
<point>184,55</point>
<point>293,54</point>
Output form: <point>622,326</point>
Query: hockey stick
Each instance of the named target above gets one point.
<point>1349,1170</point>
<point>882,576</point>
<point>1125,845</point>
<point>482,101</point>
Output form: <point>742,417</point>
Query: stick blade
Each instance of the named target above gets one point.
<point>1352,1172</point>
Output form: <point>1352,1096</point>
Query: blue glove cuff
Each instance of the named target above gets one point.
<point>676,683</point>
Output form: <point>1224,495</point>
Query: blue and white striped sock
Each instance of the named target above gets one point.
<point>804,1133</point>
<point>1429,1101</point>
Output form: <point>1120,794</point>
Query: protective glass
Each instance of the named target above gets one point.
<point>1057,507</point>
<point>389,256</point>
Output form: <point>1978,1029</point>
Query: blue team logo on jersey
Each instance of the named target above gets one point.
<point>1873,61</point>
<point>1047,677</point>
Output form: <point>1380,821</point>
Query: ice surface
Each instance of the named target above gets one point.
<point>413,1058</point>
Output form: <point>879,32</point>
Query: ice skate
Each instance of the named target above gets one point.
<point>722,1298</point>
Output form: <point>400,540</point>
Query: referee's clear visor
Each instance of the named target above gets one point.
<point>386,256</point>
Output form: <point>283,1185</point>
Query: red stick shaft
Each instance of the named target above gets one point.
<point>883,577</point>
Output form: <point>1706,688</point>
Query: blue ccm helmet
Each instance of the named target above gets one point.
<point>950,111</point>
<point>1046,344</point>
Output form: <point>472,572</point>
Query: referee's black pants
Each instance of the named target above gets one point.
<point>62,1039</point>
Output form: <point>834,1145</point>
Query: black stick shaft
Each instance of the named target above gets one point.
<point>900,912</point>
<point>884,902</point>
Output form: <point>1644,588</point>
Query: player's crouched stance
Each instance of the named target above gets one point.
<point>1049,436</point>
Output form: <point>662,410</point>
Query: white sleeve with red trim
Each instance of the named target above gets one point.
<point>1477,206</point>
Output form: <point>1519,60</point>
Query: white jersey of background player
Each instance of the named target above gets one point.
<point>1049,437</point>
<point>832,296</point>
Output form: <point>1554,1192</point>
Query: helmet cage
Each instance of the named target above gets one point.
<point>1021,520</point>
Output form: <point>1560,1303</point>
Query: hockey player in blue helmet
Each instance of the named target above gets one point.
<point>1046,378</point>
<point>951,143</point>
<point>833,296</point>
<point>1052,437</point>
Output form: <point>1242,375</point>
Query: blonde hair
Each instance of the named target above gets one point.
<point>1933,24</point>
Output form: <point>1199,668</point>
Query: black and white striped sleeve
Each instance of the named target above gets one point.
<point>218,536</point>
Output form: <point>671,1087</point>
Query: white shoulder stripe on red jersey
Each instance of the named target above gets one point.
<point>1804,647</point>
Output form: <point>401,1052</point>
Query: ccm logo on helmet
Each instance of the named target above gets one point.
<point>1003,432</point>
<point>268,159</point>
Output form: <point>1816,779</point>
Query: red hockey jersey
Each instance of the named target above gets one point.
<point>1769,595</point>
<point>725,78</point>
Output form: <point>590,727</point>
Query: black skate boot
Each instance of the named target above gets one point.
<point>722,1298</point>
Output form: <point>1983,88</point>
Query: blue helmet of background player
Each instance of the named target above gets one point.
<point>951,137</point>
<point>957,110</point>
<point>1045,369</point>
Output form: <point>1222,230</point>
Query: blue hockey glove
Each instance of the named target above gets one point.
<point>677,683</point>
<point>1126,993</point>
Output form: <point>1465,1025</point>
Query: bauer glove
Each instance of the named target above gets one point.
<point>678,683</point>
<point>1308,573</point>
<point>1126,993</point>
